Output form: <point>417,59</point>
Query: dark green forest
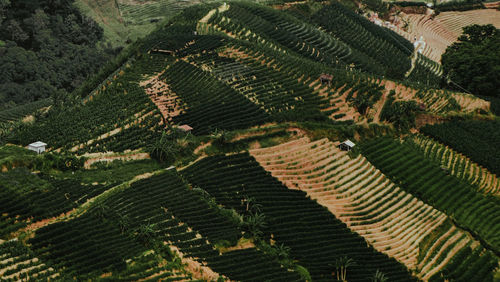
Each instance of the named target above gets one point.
<point>473,61</point>
<point>47,47</point>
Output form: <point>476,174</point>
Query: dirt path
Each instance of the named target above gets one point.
<point>413,61</point>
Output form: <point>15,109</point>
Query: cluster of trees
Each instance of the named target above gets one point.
<point>474,62</point>
<point>458,5</point>
<point>46,47</point>
<point>401,113</point>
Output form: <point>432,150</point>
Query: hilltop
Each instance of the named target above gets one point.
<point>210,150</point>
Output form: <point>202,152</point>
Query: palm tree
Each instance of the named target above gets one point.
<point>283,254</point>
<point>341,265</point>
<point>379,277</point>
<point>251,204</point>
<point>282,251</point>
<point>255,223</point>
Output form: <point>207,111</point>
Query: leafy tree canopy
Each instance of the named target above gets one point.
<point>474,61</point>
<point>46,47</point>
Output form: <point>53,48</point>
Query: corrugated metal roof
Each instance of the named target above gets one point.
<point>37,144</point>
<point>349,143</point>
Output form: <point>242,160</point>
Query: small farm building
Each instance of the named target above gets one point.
<point>326,78</point>
<point>346,145</point>
<point>38,147</point>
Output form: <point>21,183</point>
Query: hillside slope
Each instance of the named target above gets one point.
<point>441,31</point>
<point>211,153</point>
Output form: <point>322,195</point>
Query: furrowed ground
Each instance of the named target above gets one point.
<point>392,220</point>
<point>211,154</point>
<point>444,29</point>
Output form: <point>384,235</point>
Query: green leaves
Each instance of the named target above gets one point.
<point>473,62</point>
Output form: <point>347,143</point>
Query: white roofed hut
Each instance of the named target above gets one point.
<point>346,145</point>
<point>38,147</point>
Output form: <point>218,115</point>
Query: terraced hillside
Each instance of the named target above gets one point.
<point>211,154</point>
<point>459,165</point>
<point>278,30</point>
<point>444,29</point>
<point>392,220</point>
<point>124,21</point>
<point>477,139</point>
<point>214,82</point>
<point>323,238</point>
<point>471,210</point>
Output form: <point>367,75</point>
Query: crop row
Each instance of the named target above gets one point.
<point>426,72</point>
<point>23,110</point>
<point>36,198</point>
<point>168,194</point>
<point>424,179</point>
<point>387,48</point>
<point>146,12</point>
<point>390,219</point>
<point>154,214</point>
<point>85,246</point>
<point>69,126</point>
<point>137,136</point>
<point>18,263</point>
<point>210,103</point>
<point>303,71</point>
<point>274,28</point>
<point>272,90</point>
<point>458,165</point>
<point>119,103</point>
<point>477,140</point>
<point>315,236</point>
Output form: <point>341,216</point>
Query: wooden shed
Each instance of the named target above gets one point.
<point>326,78</point>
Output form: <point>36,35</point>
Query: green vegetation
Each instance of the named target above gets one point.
<point>469,265</point>
<point>24,258</point>
<point>315,237</point>
<point>140,218</point>
<point>473,61</point>
<point>116,107</point>
<point>113,172</point>
<point>476,139</point>
<point>18,112</point>
<point>399,113</point>
<point>124,22</point>
<point>426,73</point>
<point>477,213</point>
<point>368,52</point>
<point>29,197</point>
<point>244,76</point>
<point>49,48</point>
<point>457,164</point>
<point>388,51</point>
<point>14,156</point>
<point>458,5</point>
<point>365,99</point>
<point>211,104</point>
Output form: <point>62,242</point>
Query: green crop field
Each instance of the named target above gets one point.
<point>210,149</point>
